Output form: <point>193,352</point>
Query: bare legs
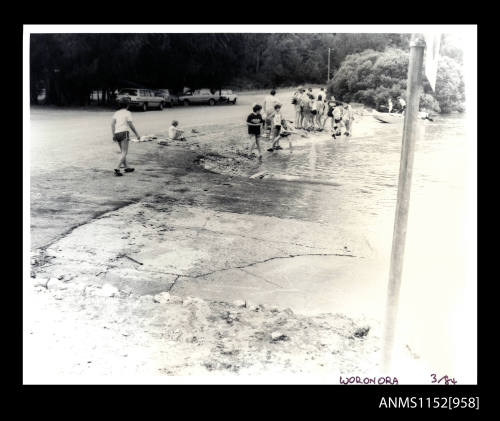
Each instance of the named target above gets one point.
<point>276,139</point>
<point>124,150</point>
<point>255,140</point>
<point>348,127</point>
<point>318,121</point>
<point>298,118</point>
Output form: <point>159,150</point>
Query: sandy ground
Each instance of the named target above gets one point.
<point>181,272</point>
<point>130,336</point>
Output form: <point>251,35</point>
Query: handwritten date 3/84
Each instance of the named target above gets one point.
<point>443,380</point>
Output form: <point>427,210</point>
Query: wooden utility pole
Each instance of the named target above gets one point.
<point>403,199</point>
<point>328,76</point>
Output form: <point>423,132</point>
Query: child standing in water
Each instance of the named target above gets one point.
<point>330,105</point>
<point>348,117</point>
<point>297,101</point>
<point>278,122</point>
<point>254,123</point>
<point>314,112</point>
<point>337,117</point>
<point>320,107</point>
<point>307,107</point>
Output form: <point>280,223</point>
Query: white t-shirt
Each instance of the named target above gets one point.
<point>173,132</point>
<point>347,114</point>
<point>122,118</point>
<point>337,113</point>
<point>269,102</point>
<point>277,119</point>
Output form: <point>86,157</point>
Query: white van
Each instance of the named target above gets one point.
<point>141,98</point>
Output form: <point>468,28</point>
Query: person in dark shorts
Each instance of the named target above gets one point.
<point>121,122</point>
<point>337,116</point>
<point>254,123</point>
<point>278,122</point>
<point>329,115</point>
<point>308,123</point>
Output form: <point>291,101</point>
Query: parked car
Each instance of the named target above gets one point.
<point>199,96</point>
<point>169,98</point>
<point>141,98</point>
<point>228,96</point>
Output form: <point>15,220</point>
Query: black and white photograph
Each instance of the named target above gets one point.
<point>250,204</point>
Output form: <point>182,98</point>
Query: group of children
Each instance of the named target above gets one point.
<point>312,111</point>
<point>274,125</point>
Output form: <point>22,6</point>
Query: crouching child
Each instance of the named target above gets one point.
<point>174,132</point>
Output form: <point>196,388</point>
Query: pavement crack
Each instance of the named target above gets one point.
<point>290,256</point>
<point>173,283</point>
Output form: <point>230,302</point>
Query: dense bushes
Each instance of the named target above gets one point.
<point>372,77</point>
<point>450,86</point>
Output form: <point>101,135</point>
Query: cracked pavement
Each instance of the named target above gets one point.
<point>190,251</point>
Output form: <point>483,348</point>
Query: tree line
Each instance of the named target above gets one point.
<point>70,66</point>
<point>373,77</point>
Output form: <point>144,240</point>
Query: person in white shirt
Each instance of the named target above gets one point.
<point>174,133</point>
<point>297,101</point>
<point>337,117</point>
<point>320,107</point>
<point>389,105</point>
<point>329,106</point>
<point>269,102</point>
<point>348,118</point>
<point>402,104</point>
<point>304,109</point>
<point>278,122</point>
<point>121,122</point>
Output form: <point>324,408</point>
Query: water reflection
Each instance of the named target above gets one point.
<point>356,178</point>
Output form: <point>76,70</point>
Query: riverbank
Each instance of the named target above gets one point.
<point>224,148</point>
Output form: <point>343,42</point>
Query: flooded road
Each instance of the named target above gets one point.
<point>353,183</point>
<point>361,172</point>
<point>348,183</point>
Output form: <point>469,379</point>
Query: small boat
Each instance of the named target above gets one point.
<point>389,117</point>
<point>397,117</point>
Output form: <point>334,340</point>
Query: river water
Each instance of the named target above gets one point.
<point>353,182</point>
<point>356,178</point>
